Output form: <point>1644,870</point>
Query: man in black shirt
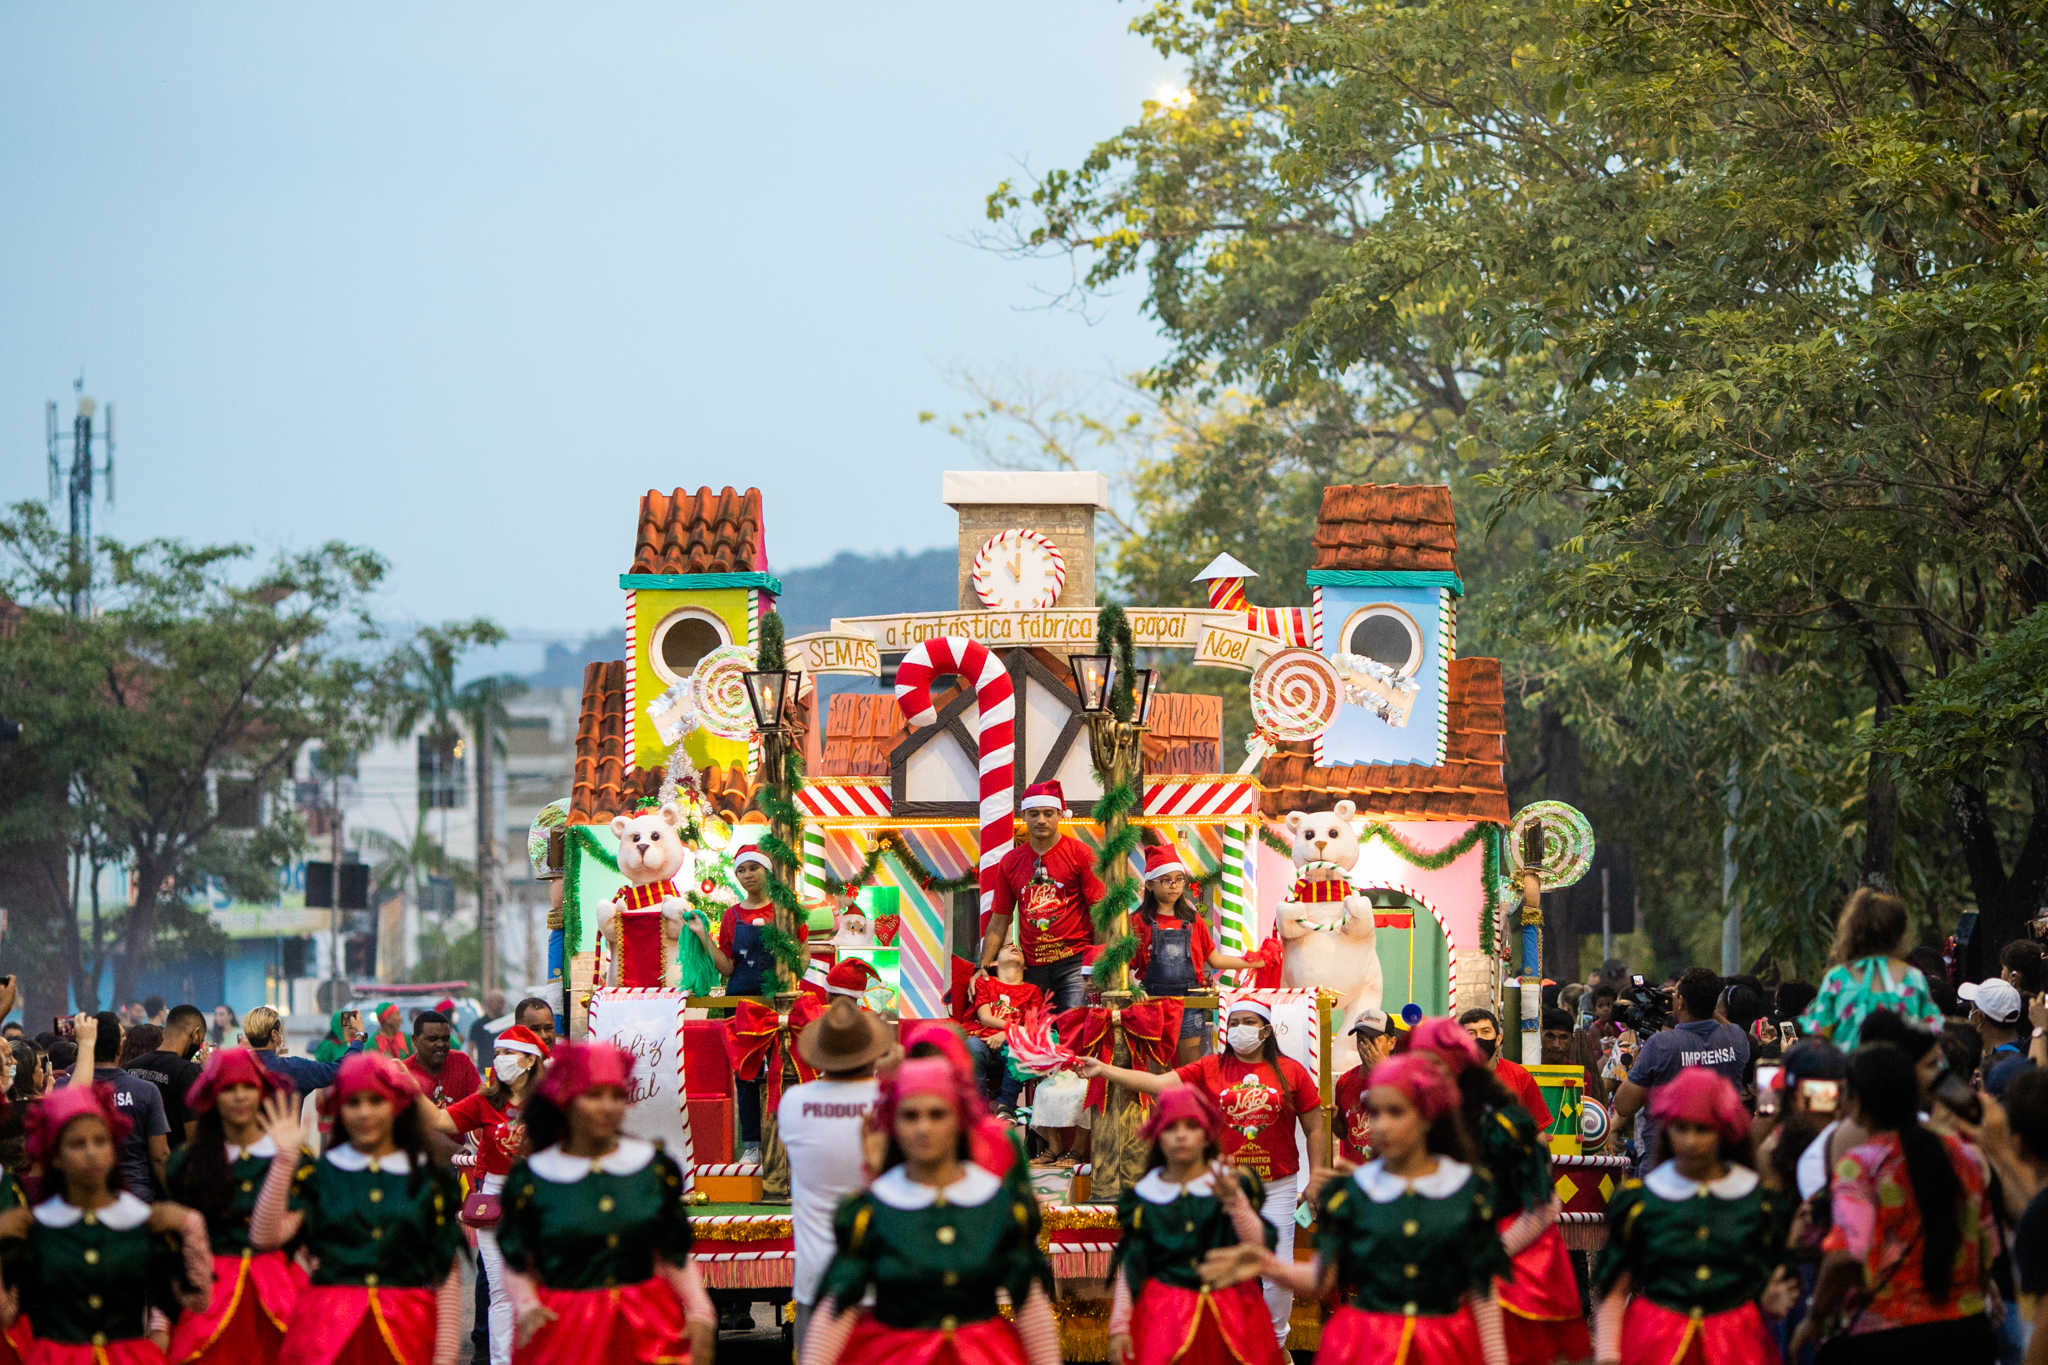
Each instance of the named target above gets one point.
<point>174,1066</point>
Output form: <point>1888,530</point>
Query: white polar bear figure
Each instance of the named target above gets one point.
<point>1330,943</point>
<point>651,858</point>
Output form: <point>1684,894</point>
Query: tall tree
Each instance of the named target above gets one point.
<point>196,666</point>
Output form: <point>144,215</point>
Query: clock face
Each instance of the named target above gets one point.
<point>1019,570</point>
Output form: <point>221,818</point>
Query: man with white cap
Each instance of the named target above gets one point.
<point>741,955</point>
<point>1048,884</point>
<point>1995,1009</point>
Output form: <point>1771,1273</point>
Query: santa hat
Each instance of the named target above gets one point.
<point>445,1007</point>
<point>1249,1006</point>
<point>228,1066</point>
<point>1043,796</point>
<point>520,1038</point>
<point>578,1068</point>
<point>751,854</point>
<point>1161,859</point>
<point>851,977</point>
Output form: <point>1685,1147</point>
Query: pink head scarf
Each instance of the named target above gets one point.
<point>1697,1095</point>
<point>1422,1079</point>
<point>56,1111</point>
<point>1447,1041</point>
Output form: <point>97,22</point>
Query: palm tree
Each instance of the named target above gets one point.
<point>481,704</point>
<point>406,866</point>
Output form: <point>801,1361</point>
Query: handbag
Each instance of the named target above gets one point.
<point>481,1209</point>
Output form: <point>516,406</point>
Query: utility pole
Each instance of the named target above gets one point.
<point>80,484</point>
<point>1731,921</point>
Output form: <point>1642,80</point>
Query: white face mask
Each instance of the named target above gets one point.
<point>1243,1037</point>
<point>509,1064</point>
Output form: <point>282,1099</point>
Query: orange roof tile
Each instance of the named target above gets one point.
<point>1186,734</point>
<point>604,786</point>
<point>1403,527</point>
<point>700,532</point>
<point>1470,784</point>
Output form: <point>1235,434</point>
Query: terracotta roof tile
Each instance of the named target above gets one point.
<point>1470,784</point>
<point>1406,527</point>
<point>604,786</point>
<point>1186,734</point>
<point>700,532</point>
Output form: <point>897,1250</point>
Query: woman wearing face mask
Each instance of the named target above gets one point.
<point>741,955</point>
<point>218,1174</point>
<point>1409,1235</point>
<point>492,1113</point>
<point>1188,1204</point>
<point>1265,1099</point>
<point>1540,1303</point>
<point>1691,1246</point>
<point>594,1236</point>
<point>377,1214</point>
<point>934,1236</point>
<point>101,1270</point>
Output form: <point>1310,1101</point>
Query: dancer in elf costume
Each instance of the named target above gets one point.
<point>934,1236</point>
<point>492,1114</point>
<point>1540,1314</point>
<point>1411,1233</point>
<point>1188,1203</point>
<point>377,1214</point>
<point>15,1339</point>
<point>1692,1246</point>
<point>595,1241</point>
<point>218,1174</point>
<point>101,1269</point>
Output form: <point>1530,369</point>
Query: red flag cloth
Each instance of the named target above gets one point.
<point>1268,960</point>
<point>758,1040</point>
<point>1151,1031</point>
<point>640,948</point>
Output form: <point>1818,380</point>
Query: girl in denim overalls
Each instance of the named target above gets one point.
<point>740,953</point>
<point>1175,948</point>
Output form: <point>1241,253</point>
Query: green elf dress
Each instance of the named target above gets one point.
<point>596,1238</point>
<point>1408,1251</point>
<point>1159,1297</point>
<point>254,1292</point>
<point>1540,1315</point>
<point>91,1279</point>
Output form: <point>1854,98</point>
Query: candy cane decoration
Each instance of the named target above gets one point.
<point>996,708</point>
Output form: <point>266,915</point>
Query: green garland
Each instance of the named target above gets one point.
<point>888,841</point>
<point>1112,864</point>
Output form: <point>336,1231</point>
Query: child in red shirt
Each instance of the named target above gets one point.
<point>1000,1001</point>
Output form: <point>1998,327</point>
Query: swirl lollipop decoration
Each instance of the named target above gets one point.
<point>718,689</point>
<point>1295,696</point>
<point>1567,842</point>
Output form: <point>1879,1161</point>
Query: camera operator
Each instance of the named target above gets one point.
<point>1695,1038</point>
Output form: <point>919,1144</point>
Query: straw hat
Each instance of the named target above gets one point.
<point>844,1038</point>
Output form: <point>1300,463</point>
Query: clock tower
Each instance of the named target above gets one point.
<point>1042,526</point>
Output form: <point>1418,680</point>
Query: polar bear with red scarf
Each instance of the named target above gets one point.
<point>652,857</point>
<point>1325,925</point>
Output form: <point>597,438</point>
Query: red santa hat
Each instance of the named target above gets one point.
<point>851,977</point>
<point>520,1038</point>
<point>1043,796</point>
<point>751,854</point>
<point>1161,859</point>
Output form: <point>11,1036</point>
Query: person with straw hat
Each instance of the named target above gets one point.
<point>821,1122</point>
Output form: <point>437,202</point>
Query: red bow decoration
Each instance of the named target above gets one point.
<point>1151,1031</point>
<point>1268,960</point>
<point>759,1040</point>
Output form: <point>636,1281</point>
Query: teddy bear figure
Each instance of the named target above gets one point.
<point>1325,925</point>
<point>647,912</point>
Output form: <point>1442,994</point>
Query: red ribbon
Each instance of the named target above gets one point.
<point>1268,961</point>
<point>1151,1031</point>
<point>759,1041</point>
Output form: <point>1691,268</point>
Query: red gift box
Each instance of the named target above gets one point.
<point>711,1123</point>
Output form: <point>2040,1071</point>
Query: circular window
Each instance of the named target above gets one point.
<point>1386,635</point>
<point>682,639</point>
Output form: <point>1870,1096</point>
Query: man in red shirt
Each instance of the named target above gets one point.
<point>1048,882</point>
<point>444,1074</point>
<point>1353,1126</point>
<point>1485,1031</point>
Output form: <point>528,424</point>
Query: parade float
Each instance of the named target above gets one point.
<point>1377,767</point>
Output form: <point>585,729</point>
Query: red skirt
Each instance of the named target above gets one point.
<point>989,1342</point>
<point>1175,1326</point>
<point>349,1324</point>
<point>1539,1308</point>
<point>127,1351</point>
<point>640,1322</point>
<point>1353,1336</point>
<point>16,1340</point>
<point>1653,1335</point>
<point>253,1298</point>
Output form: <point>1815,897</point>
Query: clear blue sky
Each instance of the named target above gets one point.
<point>460,281</point>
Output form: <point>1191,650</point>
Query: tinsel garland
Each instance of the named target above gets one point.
<point>888,841</point>
<point>1076,1218</point>
<point>1112,864</point>
<point>768,1229</point>
<point>1490,874</point>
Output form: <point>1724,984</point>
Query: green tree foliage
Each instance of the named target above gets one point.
<point>196,664</point>
<point>1737,305</point>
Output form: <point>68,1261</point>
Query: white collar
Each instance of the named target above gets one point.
<point>346,1157</point>
<point>1155,1188</point>
<point>124,1213</point>
<point>1666,1183</point>
<point>975,1187</point>
<point>1380,1187</point>
<point>558,1168</point>
<point>263,1146</point>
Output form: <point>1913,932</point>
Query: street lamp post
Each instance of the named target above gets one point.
<point>1116,700</point>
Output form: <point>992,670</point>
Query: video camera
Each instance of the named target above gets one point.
<point>1643,1008</point>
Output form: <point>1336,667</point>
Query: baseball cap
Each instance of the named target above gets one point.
<point>1812,1059</point>
<point>1997,999</point>
<point>1370,1024</point>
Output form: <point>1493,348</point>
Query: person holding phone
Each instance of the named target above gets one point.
<point>344,1026</point>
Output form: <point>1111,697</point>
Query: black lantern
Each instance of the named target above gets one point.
<point>769,694</point>
<point>1094,675</point>
<point>1147,691</point>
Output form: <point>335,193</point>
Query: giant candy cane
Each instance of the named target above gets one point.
<point>996,705</point>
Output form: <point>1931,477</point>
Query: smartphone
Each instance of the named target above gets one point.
<point>64,1026</point>
<point>1953,1089</point>
<point>1821,1096</point>
<point>1788,1036</point>
<point>1768,1089</point>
